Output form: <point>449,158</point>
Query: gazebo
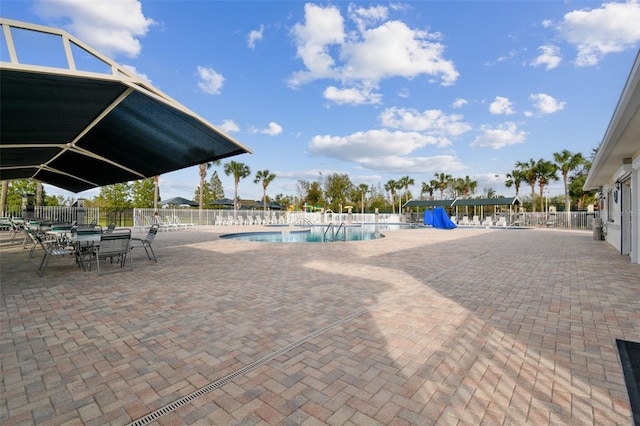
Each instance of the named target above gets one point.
<point>467,202</point>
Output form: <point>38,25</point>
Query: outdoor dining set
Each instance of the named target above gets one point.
<point>83,243</point>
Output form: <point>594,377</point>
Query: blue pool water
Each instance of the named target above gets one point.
<point>316,234</point>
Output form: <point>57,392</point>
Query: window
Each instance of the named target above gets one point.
<point>610,205</point>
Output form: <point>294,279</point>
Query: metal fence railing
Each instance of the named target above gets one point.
<point>125,217</point>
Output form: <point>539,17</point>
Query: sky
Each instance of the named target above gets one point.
<point>376,90</point>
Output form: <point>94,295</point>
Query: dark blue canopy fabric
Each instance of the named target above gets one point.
<point>428,217</point>
<point>441,220</point>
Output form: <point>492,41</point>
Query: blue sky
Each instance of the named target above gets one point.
<point>378,90</point>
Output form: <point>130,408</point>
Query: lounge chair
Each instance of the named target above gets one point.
<point>138,223</point>
<point>147,241</point>
<point>502,221</point>
<point>487,221</point>
<point>178,222</point>
<point>476,221</point>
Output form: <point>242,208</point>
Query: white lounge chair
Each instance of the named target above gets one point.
<point>476,221</point>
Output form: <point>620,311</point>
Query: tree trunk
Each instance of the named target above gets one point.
<point>3,198</point>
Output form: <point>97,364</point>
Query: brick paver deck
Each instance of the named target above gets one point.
<point>468,326</point>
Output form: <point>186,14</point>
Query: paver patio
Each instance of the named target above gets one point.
<point>468,326</point>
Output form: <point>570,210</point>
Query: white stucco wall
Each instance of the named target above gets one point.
<point>620,211</point>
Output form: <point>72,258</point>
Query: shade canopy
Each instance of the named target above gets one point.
<point>179,201</point>
<point>460,202</point>
<point>222,202</point>
<point>78,128</point>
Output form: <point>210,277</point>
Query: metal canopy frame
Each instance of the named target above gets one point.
<point>93,122</point>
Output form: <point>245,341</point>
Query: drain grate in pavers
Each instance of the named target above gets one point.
<point>154,415</point>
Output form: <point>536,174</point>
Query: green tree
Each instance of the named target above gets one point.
<point>529,171</point>
<point>427,188</point>
<point>359,195</point>
<point>577,180</point>
<point>391,187</point>
<point>405,181</point>
<point>443,180</point>
<point>238,171</point>
<point>217,191</point>
<point>377,198</point>
<point>143,193</point>
<point>18,188</point>
<point>566,162</point>
<point>546,171</point>
<point>515,178</point>
<point>202,171</point>
<point>336,188</point>
<point>265,177</point>
<point>116,196</point>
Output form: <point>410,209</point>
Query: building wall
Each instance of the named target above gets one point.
<point>620,210</point>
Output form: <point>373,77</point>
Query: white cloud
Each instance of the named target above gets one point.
<point>503,135</point>
<point>549,58</point>
<point>323,27</point>
<point>254,36</point>
<point>422,165</point>
<point>459,103</point>
<point>135,71</point>
<point>209,80</point>
<point>364,146</point>
<point>431,122</point>
<point>501,105</point>
<point>613,27</point>
<point>273,129</point>
<point>546,104</point>
<point>353,96</point>
<point>229,126</point>
<point>366,17</point>
<point>362,58</point>
<point>111,27</point>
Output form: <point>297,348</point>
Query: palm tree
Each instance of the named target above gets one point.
<point>443,180</point>
<point>428,188</point>
<point>203,174</point>
<point>391,186</point>
<point>265,177</point>
<point>529,171</point>
<point>364,188</point>
<point>468,186</point>
<point>546,171</point>
<point>239,171</point>
<point>566,161</point>
<point>514,178</point>
<point>404,182</point>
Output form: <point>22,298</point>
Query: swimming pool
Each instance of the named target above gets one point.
<point>316,234</point>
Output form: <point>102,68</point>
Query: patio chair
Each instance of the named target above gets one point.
<point>84,240</point>
<point>29,238</point>
<point>116,245</point>
<point>50,249</point>
<point>476,220</point>
<point>147,242</point>
<point>465,220</point>
<point>487,221</point>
